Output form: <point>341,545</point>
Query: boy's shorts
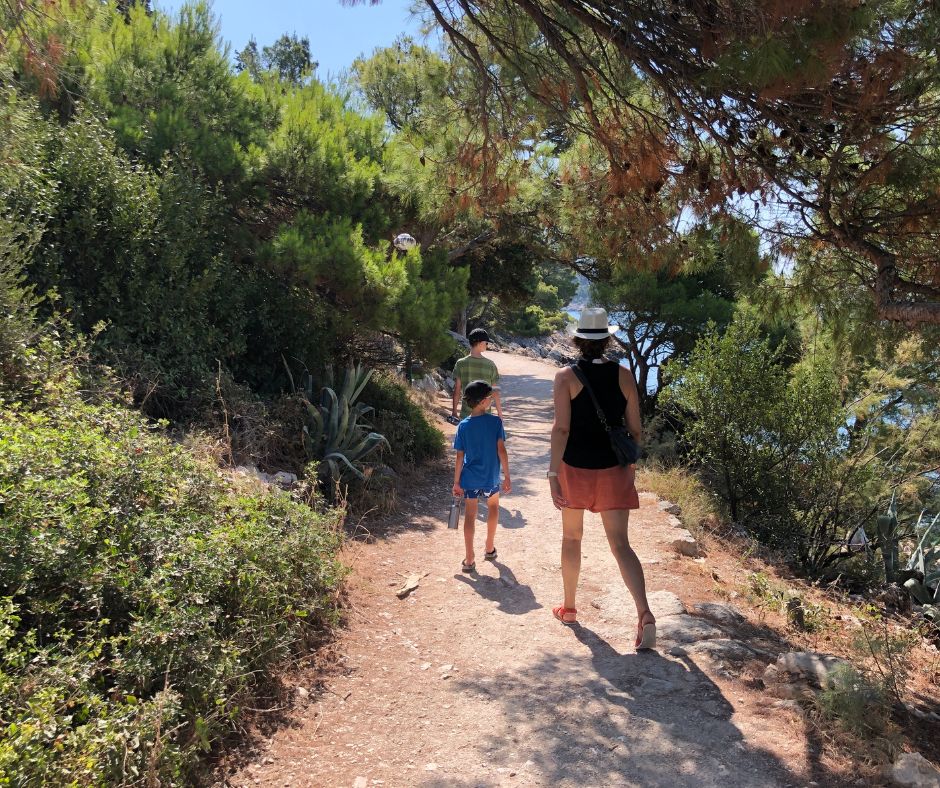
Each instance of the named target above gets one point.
<point>483,492</point>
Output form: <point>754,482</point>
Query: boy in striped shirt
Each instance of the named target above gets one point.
<point>475,367</point>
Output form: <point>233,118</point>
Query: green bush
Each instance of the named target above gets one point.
<point>534,321</point>
<point>402,421</point>
<point>770,440</point>
<point>858,704</point>
<point>143,601</point>
<point>16,304</point>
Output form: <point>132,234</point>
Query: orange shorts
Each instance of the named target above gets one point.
<point>599,489</point>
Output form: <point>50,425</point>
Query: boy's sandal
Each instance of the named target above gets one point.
<point>566,615</point>
<point>468,568</point>
<point>490,556</point>
<point>647,632</point>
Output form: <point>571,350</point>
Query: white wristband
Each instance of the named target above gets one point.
<point>550,474</point>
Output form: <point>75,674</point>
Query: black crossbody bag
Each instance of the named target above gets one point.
<point>626,450</point>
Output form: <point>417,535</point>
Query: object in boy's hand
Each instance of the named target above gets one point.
<point>453,517</point>
<point>453,420</point>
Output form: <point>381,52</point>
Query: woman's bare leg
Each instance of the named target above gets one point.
<point>469,527</point>
<point>572,529</point>
<point>616,524</point>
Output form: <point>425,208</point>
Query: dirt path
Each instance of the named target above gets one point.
<point>469,681</point>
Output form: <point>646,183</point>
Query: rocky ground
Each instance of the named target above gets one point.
<point>448,679</point>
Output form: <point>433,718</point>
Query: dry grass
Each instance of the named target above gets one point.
<point>701,511</point>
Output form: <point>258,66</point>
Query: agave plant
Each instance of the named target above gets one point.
<point>925,563</point>
<point>887,527</point>
<point>336,436</point>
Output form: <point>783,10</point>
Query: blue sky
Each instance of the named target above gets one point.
<point>338,34</point>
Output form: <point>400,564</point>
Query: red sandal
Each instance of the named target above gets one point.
<point>566,615</point>
<point>646,632</point>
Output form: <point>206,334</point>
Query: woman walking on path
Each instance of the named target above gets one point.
<point>583,471</point>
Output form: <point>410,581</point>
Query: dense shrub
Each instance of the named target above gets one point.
<point>402,421</point>
<point>801,460</point>
<point>16,304</point>
<point>766,437</point>
<point>142,600</point>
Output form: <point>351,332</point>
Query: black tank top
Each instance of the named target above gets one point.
<point>588,445</point>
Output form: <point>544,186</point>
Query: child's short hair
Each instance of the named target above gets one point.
<point>477,336</point>
<point>476,392</point>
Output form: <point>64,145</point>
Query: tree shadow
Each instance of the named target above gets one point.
<point>512,596</point>
<point>635,719</point>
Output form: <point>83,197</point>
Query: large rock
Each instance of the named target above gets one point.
<point>426,383</point>
<point>722,649</point>
<point>617,605</point>
<point>913,770</point>
<point>726,615</point>
<point>686,629</point>
<point>670,508</point>
<point>460,339</point>
<point>807,668</point>
<point>665,603</point>
<point>684,543</point>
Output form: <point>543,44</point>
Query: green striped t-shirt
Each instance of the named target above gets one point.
<point>471,368</point>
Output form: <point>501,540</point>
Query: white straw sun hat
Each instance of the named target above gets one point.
<point>593,324</point>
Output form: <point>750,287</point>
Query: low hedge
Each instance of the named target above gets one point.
<point>144,601</point>
<point>402,421</point>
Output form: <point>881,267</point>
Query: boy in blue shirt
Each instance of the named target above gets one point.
<point>481,450</point>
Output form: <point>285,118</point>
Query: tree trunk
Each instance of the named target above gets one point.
<point>409,361</point>
<point>642,383</point>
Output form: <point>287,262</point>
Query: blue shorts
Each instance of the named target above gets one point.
<point>482,492</point>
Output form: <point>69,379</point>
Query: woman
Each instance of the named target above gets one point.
<point>583,472</point>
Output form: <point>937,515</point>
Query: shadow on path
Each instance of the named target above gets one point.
<point>636,719</point>
<point>511,596</point>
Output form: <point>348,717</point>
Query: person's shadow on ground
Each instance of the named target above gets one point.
<point>511,519</point>
<point>508,518</point>
<point>512,596</point>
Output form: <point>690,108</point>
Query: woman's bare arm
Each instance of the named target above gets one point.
<point>562,423</point>
<point>561,426</point>
<point>632,414</point>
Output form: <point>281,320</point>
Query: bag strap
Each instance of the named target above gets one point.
<point>579,373</point>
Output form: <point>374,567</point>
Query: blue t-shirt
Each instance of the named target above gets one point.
<point>476,437</point>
